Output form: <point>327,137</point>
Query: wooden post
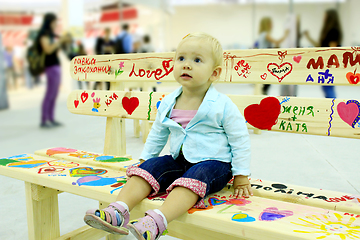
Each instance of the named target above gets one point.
<point>42,212</point>
<point>115,134</point>
<point>137,128</point>
<point>257,91</point>
<point>115,137</point>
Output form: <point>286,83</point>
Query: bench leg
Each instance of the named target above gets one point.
<point>145,129</point>
<point>137,128</point>
<point>42,212</point>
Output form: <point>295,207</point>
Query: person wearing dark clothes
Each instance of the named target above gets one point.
<point>49,43</point>
<point>104,45</point>
<point>331,36</point>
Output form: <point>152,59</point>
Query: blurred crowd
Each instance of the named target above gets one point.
<point>37,61</point>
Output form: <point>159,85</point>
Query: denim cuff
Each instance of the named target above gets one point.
<point>136,171</point>
<point>194,185</point>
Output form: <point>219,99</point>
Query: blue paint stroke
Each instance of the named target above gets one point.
<point>112,191</point>
<point>104,158</point>
<point>245,219</point>
<point>331,118</point>
<point>267,216</point>
<point>286,99</point>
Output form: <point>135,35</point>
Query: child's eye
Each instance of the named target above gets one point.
<point>181,58</point>
<point>197,60</point>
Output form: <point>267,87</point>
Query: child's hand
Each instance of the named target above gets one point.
<point>242,187</point>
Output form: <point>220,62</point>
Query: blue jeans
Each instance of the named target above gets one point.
<point>213,175</point>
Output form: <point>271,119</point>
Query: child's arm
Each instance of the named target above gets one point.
<point>239,141</point>
<point>156,139</point>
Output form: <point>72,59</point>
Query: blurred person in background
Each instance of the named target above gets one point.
<point>146,45</point>
<point>266,41</point>
<point>330,36</point>
<point>49,43</point>
<point>81,52</point>
<point>124,41</point>
<point>104,45</point>
<point>4,104</point>
<point>67,46</point>
<point>10,68</point>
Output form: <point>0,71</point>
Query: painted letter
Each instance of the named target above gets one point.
<point>315,65</point>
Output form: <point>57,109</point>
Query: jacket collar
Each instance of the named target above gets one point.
<point>210,96</point>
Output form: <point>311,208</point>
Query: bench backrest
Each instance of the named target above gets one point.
<point>311,66</point>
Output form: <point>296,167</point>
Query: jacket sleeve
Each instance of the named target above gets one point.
<point>238,138</point>
<point>156,139</point>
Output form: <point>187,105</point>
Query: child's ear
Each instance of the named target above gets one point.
<point>216,74</point>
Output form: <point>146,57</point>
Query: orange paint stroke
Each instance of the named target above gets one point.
<point>192,210</point>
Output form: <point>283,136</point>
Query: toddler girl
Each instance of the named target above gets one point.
<point>209,145</point>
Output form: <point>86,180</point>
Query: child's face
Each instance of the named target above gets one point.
<point>194,64</point>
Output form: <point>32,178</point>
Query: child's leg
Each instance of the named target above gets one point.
<point>152,176</point>
<point>134,191</point>
<point>179,200</point>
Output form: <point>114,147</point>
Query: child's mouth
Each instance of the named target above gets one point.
<point>185,76</point>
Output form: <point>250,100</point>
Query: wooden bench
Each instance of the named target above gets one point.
<point>277,211</point>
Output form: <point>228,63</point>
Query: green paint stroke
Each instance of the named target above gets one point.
<point>150,95</point>
<point>118,159</point>
<point>5,161</point>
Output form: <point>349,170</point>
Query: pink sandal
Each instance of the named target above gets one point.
<point>107,220</point>
<point>150,227</point>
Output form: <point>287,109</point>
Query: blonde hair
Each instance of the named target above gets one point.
<point>265,24</point>
<point>217,51</point>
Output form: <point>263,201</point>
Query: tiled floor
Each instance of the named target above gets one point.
<point>314,161</point>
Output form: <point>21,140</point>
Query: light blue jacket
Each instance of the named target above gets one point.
<point>217,132</point>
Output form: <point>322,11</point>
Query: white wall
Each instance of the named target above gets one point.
<point>233,24</point>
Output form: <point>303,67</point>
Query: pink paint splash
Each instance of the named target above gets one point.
<point>237,202</point>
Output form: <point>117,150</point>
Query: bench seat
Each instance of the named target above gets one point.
<point>285,216</point>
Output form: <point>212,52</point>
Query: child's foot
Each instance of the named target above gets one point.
<point>113,219</point>
<point>150,227</point>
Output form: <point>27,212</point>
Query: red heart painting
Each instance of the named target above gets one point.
<point>264,115</point>
<point>84,96</point>
<point>76,103</point>
<point>349,112</point>
<point>280,71</point>
<point>47,170</point>
<point>130,104</point>
<point>353,78</point>
<point>263,77</point>
<point>297,59</point>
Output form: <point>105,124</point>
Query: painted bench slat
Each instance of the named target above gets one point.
<point>316,116</point>
<point>262,66</point>
<point>256,217</point>
<point>119,163</point>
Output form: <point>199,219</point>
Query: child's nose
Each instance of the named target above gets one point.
<point>186,65</point>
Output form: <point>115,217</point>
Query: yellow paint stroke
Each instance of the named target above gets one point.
<point>329,225</point>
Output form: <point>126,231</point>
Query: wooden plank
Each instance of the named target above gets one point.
<point>263,66</point>
<point>253,218</point>
<point>119,163</point>
<point>326,117</point>
<point>85,232</point>
<point>42,213</point>
<point>115,142</point>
